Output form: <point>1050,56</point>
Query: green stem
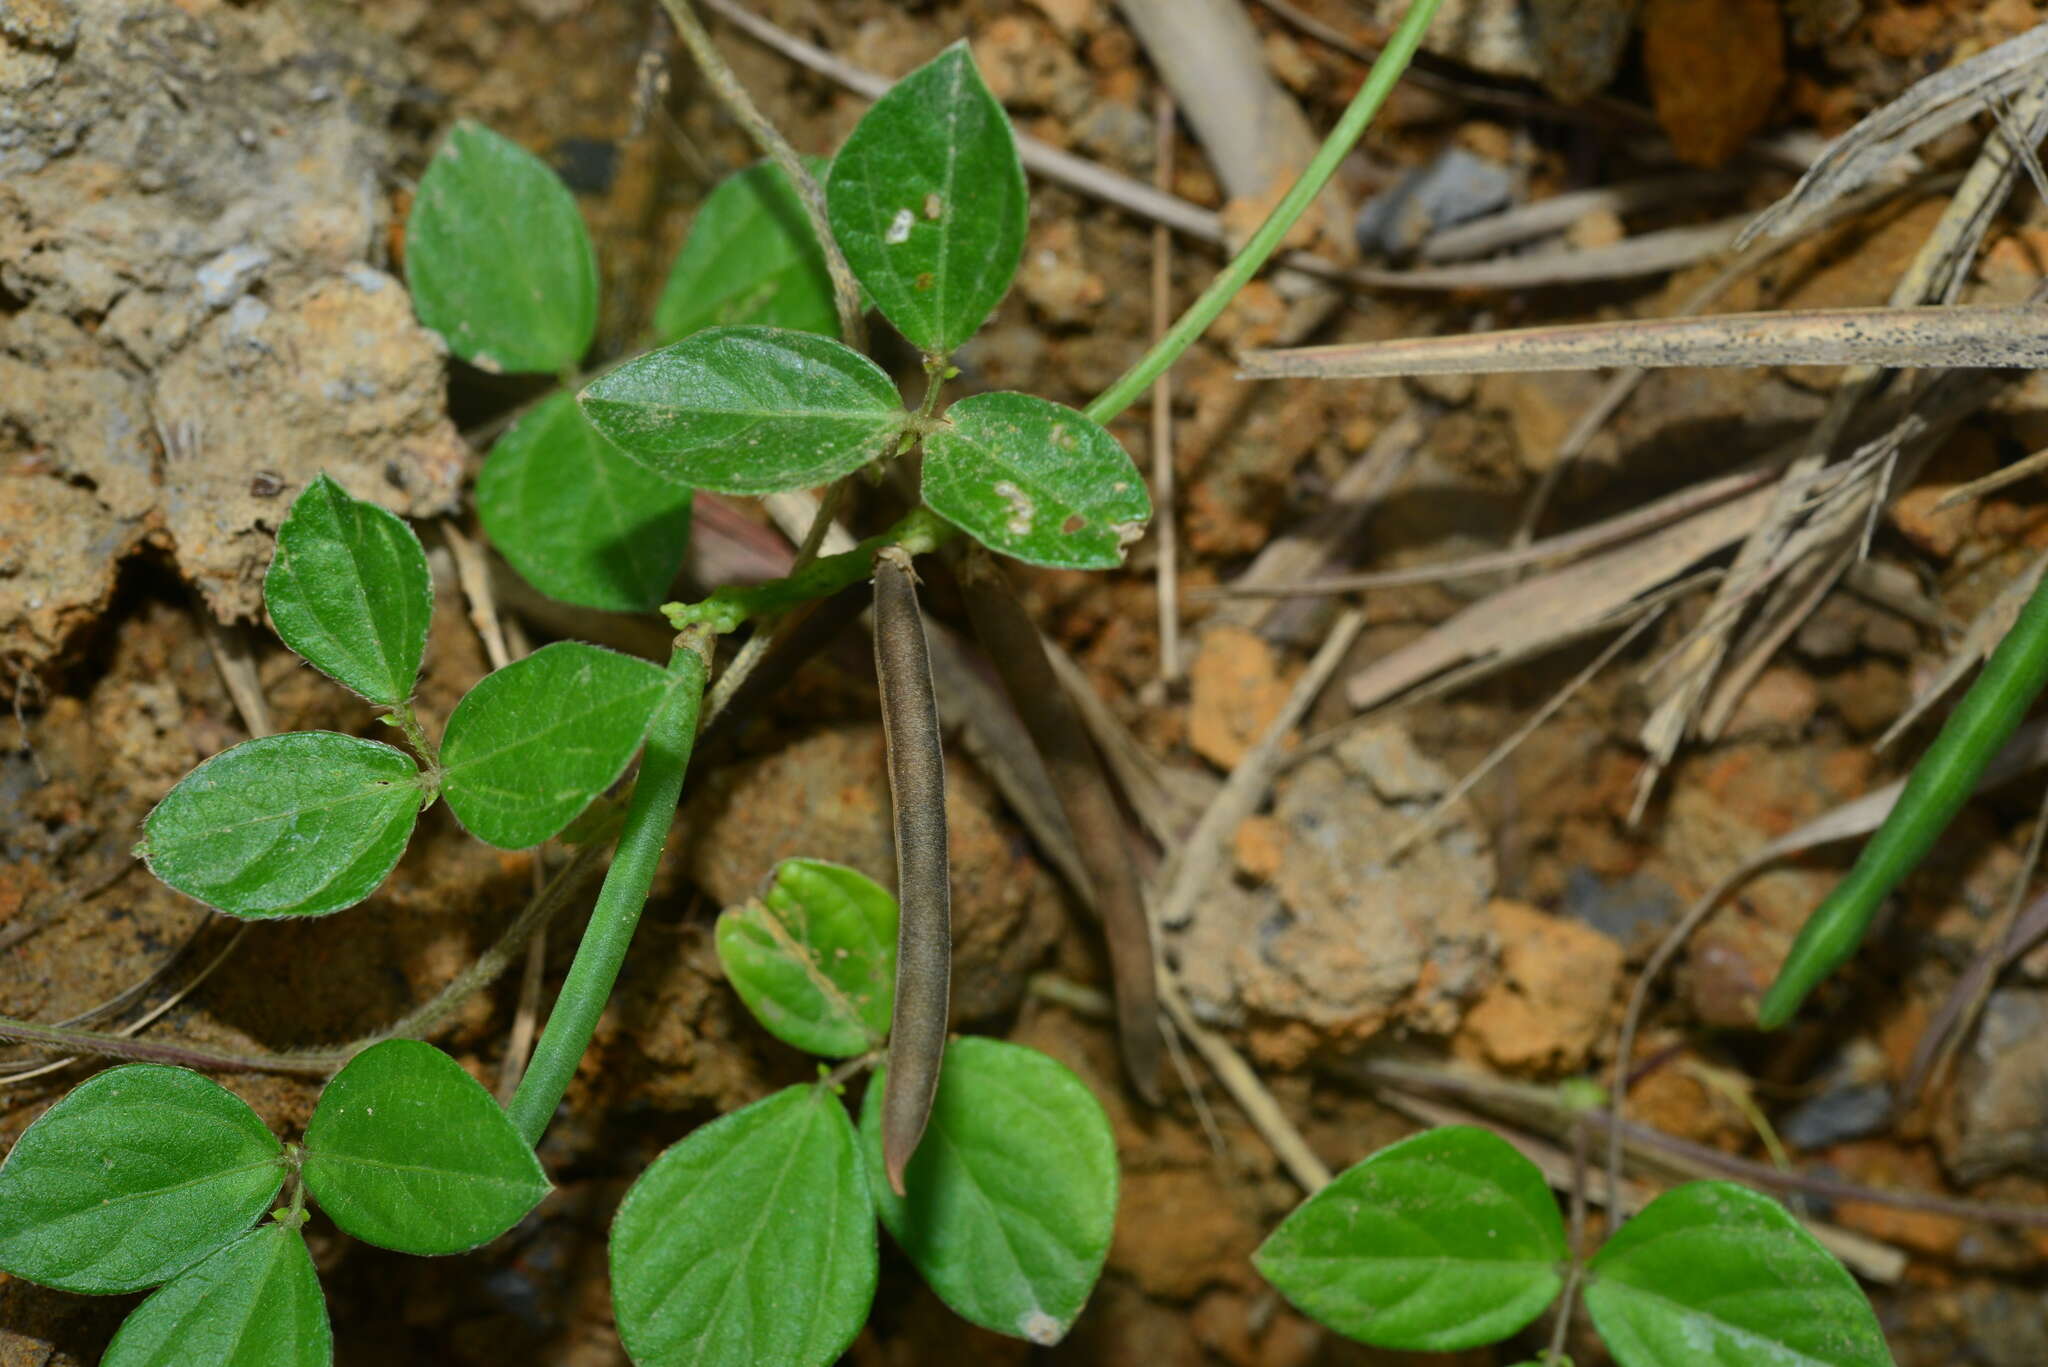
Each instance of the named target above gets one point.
<point>919,532</point>
<point>649,814</point>
<point>1263,243</point>
<point>408,723</point>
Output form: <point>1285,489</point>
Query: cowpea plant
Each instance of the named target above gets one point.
<point>1006,1210</point>
<point>153,1176</point>
<point>1451,1240</point>
<point>753,1238</point>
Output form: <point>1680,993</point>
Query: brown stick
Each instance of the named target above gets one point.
<point>1013,644</point>
<point>917,789</point>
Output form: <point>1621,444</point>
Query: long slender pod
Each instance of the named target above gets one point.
<point>917,790</point>
<point>1982,722</point>
<point>1013,644</point>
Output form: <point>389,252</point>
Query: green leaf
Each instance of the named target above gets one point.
<point>498,258</point>
<point>1012,1194</point>
<point>927,201</point>
<point>256,1303</point>
<point>405,1150</point>
<point>1443,1241</point>
<point>576,518</point>
<point>1037,480</point>
<point>298,824</point>
<point>749,410</point>
<point>815,957</point>
<point>751,257</point>
<point>138,1173</point>
<point>534,742</point>
<point>751,1241</point>
<point>348,589</point>
<point>1714,1273</point>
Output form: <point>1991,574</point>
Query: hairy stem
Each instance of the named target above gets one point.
<point>1262,243</point>
<point>853,328</point>
<point>649,814</point>
<point>919,531</point>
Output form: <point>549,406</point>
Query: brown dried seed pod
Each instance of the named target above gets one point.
<point>917,790</point>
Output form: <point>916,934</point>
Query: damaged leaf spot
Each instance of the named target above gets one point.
<point>1022,510</point>
<point>1035,480</point>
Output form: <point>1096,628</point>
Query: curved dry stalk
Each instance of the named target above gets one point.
<point>917,792</point>
<point>415,1024</point>
<point>1013,644</point>
<point>853,327</point>
<point>1982,336</point>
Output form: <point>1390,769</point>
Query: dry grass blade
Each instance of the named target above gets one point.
<point>1644,255</point>
<point>2023,468</point>
<point>1942,101</point>
<point>1546,217</point>
<point>1564,546</point>
<point>1522,732</point>
<point>1560,603</point>
<point>1990,336</point>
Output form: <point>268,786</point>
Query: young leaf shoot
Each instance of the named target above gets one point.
<point>1444,1241</point>
<point>406,1150</point>
<point>348,589</point>
<point>533,743</point>
<point>1011,1199</point>
<point>498,259</point>
<point>749,410</point>
<point>814,957</point>
<point>751,1241</point>
<point>137,1174</point>
<point>1036,480</point>
<point>751,257</point>
<point>927,200</point>
<point>298,824</point>
<point>255,1303</point>
<point>578,519</point>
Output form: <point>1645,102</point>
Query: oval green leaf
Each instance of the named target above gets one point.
<point>749,410</point>
<point>531,745</point>
<point>1011,1196</point>
<point>1441,1242</point>
<point>576,518</point>
<point>498,259</point>
<point>751,257</point>
<point>751,1241</point>
<point>256,1303</point>
<point>927,200</point>
<point>1712,1272</point>
<point>1037,480</point>
<point>348,589</point>
<point>298,824</point>
<point>405,1150</point>
<point>138,1173</point>
<point>814,957</point>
